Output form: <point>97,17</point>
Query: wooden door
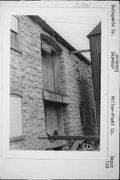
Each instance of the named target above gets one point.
<point>51,119</point>
<point>56,74</point>
<point>51,77</point>
<point>54,123</point>
<point>60,121</point>
<point>48,76</point>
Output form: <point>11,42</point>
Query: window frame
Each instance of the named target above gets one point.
<point>52,54</point>
<point>22,136</point>
<point>93,116</point>
<point>82,115</point>
<point>17,49</point>
<point>77,71</point>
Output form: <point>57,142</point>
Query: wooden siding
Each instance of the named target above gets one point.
<point>16,128</point>
<point>51,119</point>
<point>51,76</point>
<point>54,97</point>
<point>56,73</point>
<point>48,79</point>
<point>95,48</point>
<point>54,123</point>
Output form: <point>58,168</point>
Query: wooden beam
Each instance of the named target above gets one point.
<point>79,51</point>
<point>70,137</point>
<point>54,97</point>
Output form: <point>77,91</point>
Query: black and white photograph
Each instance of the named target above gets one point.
<point>59,90</point>
<point>54,86</point>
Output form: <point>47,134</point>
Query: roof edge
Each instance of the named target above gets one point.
<point>93,35</point>
<point>96,30</point>
<point>54,34</point>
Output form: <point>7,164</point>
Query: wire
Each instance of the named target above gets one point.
<point>70,22</point>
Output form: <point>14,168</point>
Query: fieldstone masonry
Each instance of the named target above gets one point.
<point>26,77</point>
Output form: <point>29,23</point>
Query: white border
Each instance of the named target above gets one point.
<point>6,49</point>
<point>20,159</point>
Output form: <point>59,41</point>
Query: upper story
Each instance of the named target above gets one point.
<point>37,48</point>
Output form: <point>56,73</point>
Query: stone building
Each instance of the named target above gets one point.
<point>51,90</point>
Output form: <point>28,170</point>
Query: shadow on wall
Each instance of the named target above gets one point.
<point>87,109</point>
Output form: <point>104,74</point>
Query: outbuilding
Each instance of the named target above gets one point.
<point>95,49</point>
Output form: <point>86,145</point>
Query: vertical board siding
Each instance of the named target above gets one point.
<point>48,120</point>
<point>95,47</point>
<point>51,76</point>
<point>48,78</point>
<point>15,116</point>
<point>60,121</point>
<point>56,74</point>
<point>50,73</point>
<point>54,119</point>
<point>54,122</point>
<point>44,70</point>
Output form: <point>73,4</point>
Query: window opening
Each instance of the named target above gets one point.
<point>51,77</point>
<point>82,114</point>
<point>93,115</point>
<point>14,33</point>
<point>16,127</point>
<point>77,69</point>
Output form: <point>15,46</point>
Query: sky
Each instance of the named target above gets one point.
<point>74,29</point>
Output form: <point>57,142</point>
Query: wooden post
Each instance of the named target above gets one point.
<point>79,51</point>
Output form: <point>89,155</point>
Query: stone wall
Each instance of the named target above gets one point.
<point>80,91</point>
<point>26,76</point>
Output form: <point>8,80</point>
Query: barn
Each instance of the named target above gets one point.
<point>95,49</point>
<point>51,89</point>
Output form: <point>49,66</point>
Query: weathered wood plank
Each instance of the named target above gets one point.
<point>80,51</point>
<point>50,73</point>
<point>60,121</point>
<point>52,124</point>
<point>70,137</point>
<point>75,145</point>
<point>56,73</point>
<point>48,120</point>
<point>53,110</point>
<point>48,79</point>
<point>51,96</point>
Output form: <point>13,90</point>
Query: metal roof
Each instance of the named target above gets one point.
<point>54,34</point>
<point>95,31</point>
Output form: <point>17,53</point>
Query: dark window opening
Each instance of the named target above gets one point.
<point>77,74</point>
<point>77,69</point>
<point>16,120</point>
<point>82,114</point>
<point>93,116</point>
<point>14,40</point>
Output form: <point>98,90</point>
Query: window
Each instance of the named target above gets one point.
<point>77,74</point>
<point>51,77</point>
<point>14,33</point>
<point>16,127</point>
<point>54,123</point>
<point>77,69</point>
